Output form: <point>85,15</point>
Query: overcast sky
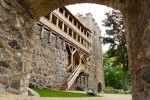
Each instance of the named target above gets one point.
<point>96,10</point>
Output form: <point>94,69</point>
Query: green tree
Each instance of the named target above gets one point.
<point>116,37</point>
<point>113,76</point>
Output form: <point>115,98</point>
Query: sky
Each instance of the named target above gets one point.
<point>96,10</point>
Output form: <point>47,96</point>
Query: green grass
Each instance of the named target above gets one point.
<point>58,93</point>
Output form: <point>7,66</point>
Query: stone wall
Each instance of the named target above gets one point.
<point>23,51</point>
<point>96,73</point>
<point>16,42</point>
<point>50,60</point>
<point>136,14</point>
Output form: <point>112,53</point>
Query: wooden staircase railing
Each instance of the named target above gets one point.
<point>74,75</point>
<point>68,83</point>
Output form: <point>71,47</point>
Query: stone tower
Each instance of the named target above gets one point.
<point>96,74</point>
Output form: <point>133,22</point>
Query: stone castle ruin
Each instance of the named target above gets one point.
<point>61,51</point>
<point>67,53</point>
<point>18,31</point>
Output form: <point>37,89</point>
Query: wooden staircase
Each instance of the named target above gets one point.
<point>68,83</point>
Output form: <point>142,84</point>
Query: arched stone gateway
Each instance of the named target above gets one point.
<point>17,30</point>
<point>99,87</point>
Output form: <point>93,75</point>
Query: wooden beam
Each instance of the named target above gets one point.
<point>57,21</point>
<point>48,24</point>
<point>50,17</point>
<point>49,39</point>
<point>72,62</point>
<point>42,32</point>
<point>74,51</point>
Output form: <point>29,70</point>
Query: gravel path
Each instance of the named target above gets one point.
<point>115,97</point>
<point>104,97</point>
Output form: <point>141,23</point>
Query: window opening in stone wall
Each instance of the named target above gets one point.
<point>70,32</point>
<point>60,24</point>
<point>54,19</point>
<point>65,28</point>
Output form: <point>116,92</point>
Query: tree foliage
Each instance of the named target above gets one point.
<point>113,75</point>
<point>116,38</point>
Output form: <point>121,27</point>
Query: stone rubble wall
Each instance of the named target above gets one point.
<point>16,43</point>
<point>50,60</point>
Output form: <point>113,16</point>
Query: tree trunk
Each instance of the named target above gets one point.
<point>137,22</point>
<point>125,79</point>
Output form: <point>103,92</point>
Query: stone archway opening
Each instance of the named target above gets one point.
<point>136,15</point>
<point>99,87</point>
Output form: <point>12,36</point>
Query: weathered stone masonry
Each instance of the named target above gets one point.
<point>136,16</point>
<point>96,64</point>
<point>16,46</point>
<point>24,50</point>
<point>49,60</point>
